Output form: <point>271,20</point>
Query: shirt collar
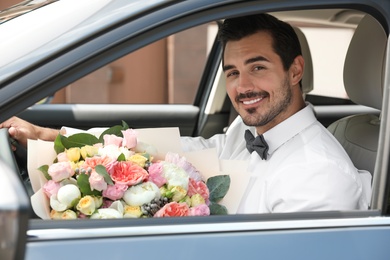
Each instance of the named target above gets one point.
<point>284,131</point>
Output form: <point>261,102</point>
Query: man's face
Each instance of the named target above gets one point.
<point>256,82</point>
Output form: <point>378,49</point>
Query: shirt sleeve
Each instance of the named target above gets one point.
<point>199,143</point>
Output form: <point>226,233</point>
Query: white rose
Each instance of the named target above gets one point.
<point>67,196</point>
<point>106,213</point>
<point>146,148</point>
<point>141,193</point>
<point>114,151</point>
<point>175,176</point>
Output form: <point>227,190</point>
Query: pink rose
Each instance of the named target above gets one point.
<point>51,188</point>
<point>60,171</point>
<point>128,173</point>
<point>97,181</point>
<point>115,192</point>
<point>155,174</point>
<point>62,157</point>
<point>129,138</point>
<point>112,139</point>
<point>200,210</point>
<point>198,187</point>
<point>173,209</point>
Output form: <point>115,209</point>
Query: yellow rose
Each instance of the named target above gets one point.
<point>187,200</point>
<point>98,201</point>
<point>86,205</point>
<point>88,151</point>
<point>138,159</point>
<point>178,193</point>
<point>68,214</point>
<point>73,154</point>
<point>196,200</point>
<point>55,214</point>
<point>132,212</point>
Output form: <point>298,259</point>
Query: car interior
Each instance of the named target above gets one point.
<point>363,79</point>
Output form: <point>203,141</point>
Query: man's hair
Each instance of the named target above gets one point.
<point>285,40</point>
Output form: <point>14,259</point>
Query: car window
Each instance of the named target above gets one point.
<point>165,72</point>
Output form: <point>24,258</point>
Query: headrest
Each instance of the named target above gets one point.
<point>307,80</point>
<point>364,64</point>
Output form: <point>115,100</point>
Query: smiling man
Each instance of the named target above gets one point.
<point>295,164</point>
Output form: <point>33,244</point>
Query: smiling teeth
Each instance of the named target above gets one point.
<point>249,102</point>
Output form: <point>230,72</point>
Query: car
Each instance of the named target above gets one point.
<point>62,44</point>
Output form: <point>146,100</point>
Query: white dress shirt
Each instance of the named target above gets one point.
<point>306,167</point>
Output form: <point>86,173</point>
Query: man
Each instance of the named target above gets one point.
<point>294,162</point>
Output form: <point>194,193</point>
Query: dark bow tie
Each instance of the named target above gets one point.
<point>257,144</point>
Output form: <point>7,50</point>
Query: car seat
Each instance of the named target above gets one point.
<point>363,80</point>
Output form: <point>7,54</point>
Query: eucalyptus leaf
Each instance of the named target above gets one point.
<point>44,169</point>
<point>85,187</point>
<point>218,187</point>
<point>217,209</point>
<point>101,170</point>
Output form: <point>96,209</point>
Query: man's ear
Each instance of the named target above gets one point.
<point>296,70</point>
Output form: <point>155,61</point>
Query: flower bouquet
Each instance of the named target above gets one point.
<point>115,175</point>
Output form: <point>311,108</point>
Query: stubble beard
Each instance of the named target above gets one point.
<point>283,100</point>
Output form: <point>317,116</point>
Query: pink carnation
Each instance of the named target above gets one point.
<point>115,192</point>
<point>129,138</point>
<point>200,210</point>
<point>112,139</point>
<point>173,209</point>
<point>198,187</point>
<point>155,174</point>
<point>184,164</point>
<point>51,188</point>
<point>91,162</point>
<point>97,181</point>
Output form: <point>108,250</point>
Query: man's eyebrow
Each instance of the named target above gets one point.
<point>248,61</point>
<point>255,59</point>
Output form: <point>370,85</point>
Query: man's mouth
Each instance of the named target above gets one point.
<point>250,102</point>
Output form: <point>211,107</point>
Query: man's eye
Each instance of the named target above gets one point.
<point>232,73</point>
<point>258,68</point>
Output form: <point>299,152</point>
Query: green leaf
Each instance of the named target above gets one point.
<point>115,130</point>
<point>217,209</point>
<point>101,170</point>
<point>125,126</point>
<point>85,187</point>
<point>79,140</point>
<point>44,169</point>
<point>58,146</point>
<point>121,158</point>
<point>218,187</point>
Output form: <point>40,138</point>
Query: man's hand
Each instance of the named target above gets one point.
<point>21,131</point>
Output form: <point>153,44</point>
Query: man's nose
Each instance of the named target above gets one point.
<point>245,84</point>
